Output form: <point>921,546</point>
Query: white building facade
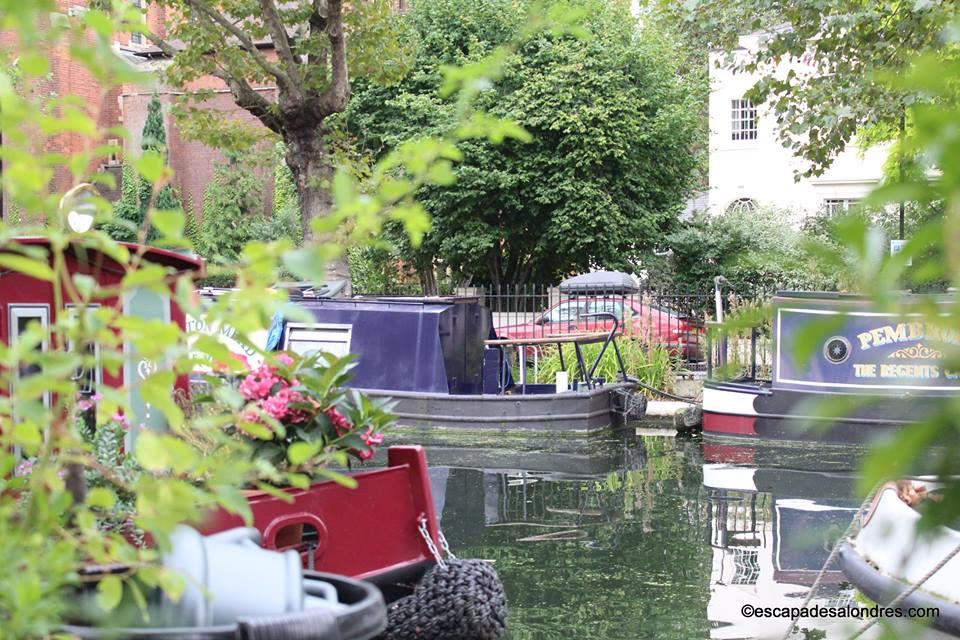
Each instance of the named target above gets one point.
<point>749,167</point>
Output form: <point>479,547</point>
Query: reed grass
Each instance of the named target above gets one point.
<point>652,365</point>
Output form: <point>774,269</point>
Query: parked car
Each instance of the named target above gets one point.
<point>680,333</point>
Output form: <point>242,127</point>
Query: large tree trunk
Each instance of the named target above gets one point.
<point>309,159</point>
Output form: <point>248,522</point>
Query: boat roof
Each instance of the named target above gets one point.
<point>166,257</point>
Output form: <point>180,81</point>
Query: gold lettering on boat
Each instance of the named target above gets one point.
<point>918,351</point>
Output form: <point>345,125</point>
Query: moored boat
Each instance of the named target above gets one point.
<point>441,362</point>
<point>890,556</point>
<point>871,371</point>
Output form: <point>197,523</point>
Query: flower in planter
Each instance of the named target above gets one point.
<point>300,416</point>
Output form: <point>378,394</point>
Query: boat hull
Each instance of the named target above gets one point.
<point>575,411</point>
<point>754,410</point>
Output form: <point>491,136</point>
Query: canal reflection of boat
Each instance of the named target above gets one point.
<point>573,455</point>
<point>890,555</point>
<point>771,531</point>
<point>439,360</point>
<point>870,372</point>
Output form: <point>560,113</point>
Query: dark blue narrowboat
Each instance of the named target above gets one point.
<point>871,371</point>
<point>439,359</point>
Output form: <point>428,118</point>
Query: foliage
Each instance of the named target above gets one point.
<point>49,518</point>
<point>137,193</point>
<point>846,45</point>
<point>310,71</point>
<point>605,167</point>
<point>651,365</point>
<point>300,417</point>
<point>759,252</point>
<point>232,207</point>
<point>191,229</point>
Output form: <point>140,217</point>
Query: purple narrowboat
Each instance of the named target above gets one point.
<point>440,360</point>
<point>870,370</point>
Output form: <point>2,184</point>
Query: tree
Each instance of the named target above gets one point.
<point>609,161</point>
<point>232,207</point>
<point>310,73</point>
<point>137,193</point>
<point>847,44</point>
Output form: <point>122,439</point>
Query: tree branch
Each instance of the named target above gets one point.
<point>281,41</point>
<point>247,44</point>
<point>164,46</point>
<point>334,99</point>
<point>250,100</point>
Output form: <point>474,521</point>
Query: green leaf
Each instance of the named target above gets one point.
<point>109,592</point>
<point>169,223</point>
<point>40,270</point>
<point>101,497</point>
<point>300,452</point>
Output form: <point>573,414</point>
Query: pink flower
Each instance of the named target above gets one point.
<point>372,439</point>
<point>365,455</point>
<point>258,383</point>
<point>24,468</point>
<point>121,420</point>
<point>277,406</point>
<point>285,359</point>
<point>97,397</point>
<point>339,422</point>
<point>85,404</point>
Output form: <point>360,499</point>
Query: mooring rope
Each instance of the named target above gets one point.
<point>908,592</point>
<point>854,523</point>
<point>662,392</point>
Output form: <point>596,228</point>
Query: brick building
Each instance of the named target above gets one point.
<point>192,162</point>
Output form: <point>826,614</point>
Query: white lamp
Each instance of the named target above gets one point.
<point>80,206</point>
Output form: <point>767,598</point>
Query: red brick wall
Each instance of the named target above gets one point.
<point>192,162</point>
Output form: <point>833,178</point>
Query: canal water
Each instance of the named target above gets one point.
<point>622,536</point>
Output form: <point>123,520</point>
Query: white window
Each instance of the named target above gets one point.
<point>21,318</point>
<point>311,338</point>
<point>88,375</point>
<point>836,206</point>
<point>743,120</point>
<point>742,205</point>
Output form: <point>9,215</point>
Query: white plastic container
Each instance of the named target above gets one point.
<point>563,381</point>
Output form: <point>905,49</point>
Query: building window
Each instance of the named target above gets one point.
<point>21,319</point>
<point>87,376</point>
<point>307,339</point>
<point>136,37</point>
<point>742,205</point>
<point>743,120</point>
<point>838,206</point>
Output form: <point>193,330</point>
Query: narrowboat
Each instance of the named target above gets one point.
<point>871,371</point>
<point>440,361</point>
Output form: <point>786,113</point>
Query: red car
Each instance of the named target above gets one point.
<point>679,333</point>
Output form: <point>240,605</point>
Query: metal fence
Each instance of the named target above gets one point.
<point>671,319</point>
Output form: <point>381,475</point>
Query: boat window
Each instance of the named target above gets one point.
<point>88,374</point>
<point>567,311</point>
<point>21,319</point>
<point>311,338</point>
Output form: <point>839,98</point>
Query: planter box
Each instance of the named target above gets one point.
<point>365,532</point>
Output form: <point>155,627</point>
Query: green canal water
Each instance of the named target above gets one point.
<point>644,536</point>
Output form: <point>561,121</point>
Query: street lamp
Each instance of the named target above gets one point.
<point>80,206</point>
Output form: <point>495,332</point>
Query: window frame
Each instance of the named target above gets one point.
<point>345,329</point>
<point>31,311</point>
<point>98,367</point>
<point>742,113</point>
<point>839,206</point>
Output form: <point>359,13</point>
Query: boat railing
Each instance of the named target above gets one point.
<point>576,339</point>
<point>735,355</point>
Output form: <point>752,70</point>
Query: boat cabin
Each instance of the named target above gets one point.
<point>25,299</point>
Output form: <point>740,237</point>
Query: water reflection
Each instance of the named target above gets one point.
<point>625,536</point>
<point>771,531</point>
